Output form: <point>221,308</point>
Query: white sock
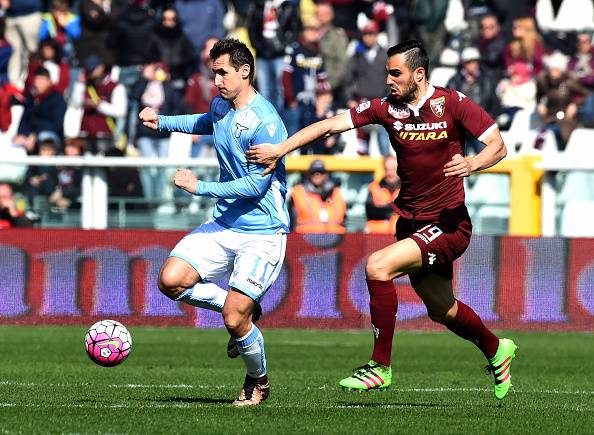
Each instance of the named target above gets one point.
<point>205,295</point>
<point>251,349</point>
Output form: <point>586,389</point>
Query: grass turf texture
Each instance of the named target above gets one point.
<point>180,381</point>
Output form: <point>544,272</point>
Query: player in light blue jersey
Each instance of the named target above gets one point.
<point>247,234</point>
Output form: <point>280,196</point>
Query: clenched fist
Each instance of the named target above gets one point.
<point>149,118</point>
<point>185,179</point>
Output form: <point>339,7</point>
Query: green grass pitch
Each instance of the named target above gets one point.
<point>180,381</point>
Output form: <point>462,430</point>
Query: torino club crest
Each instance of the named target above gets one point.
<point>437,106</point>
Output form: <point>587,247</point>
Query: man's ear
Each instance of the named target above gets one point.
<point>245,71</point>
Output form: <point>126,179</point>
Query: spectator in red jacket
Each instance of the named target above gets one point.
<point>50,57</point>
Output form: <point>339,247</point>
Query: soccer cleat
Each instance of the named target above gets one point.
<point>500,366</point>
<point>232,351</point>
<point>254,392</point>
<point>371,376</point>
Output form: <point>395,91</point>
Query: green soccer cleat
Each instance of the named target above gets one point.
<point>371,376</point>
<point>500,366</point>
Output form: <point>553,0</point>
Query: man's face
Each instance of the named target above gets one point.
<point>489,27</point>
<point>318,178</point>
<point>369,39</point>
<point>169,19</point>
<point>41,83</point>
<point>584,43</point>
<point>324,14</point>
<point>472,67</point>
<point>6,197</point>
<point>400,79</point>
<point>390,171</point>
<point>229,82</point>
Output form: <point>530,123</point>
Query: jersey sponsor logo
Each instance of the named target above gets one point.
<point>423,126</point>
<point>255,283</point>
<point>363,106</point>
<point>398,125</point>
<point>271,127</point>
<point>437,106</point>
<point>430,135</point>
<point>461,96</point>
<point>399,112</point>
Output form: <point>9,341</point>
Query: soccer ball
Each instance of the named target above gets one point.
<point>108,343</point>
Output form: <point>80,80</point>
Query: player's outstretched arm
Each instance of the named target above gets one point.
<point>493,152</point>
<point>268,154</point>
<point>149,118</point>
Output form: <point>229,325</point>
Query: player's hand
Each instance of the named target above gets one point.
<point>185,179</point>
<point>149,118</point>
<point>457,167</point>
<point>264,154</point>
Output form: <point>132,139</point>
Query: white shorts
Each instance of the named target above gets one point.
<point>254,259</point>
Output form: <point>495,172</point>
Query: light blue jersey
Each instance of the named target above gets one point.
<point>248,202</point>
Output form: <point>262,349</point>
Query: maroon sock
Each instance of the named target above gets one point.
<point>469,326</point>
<point>383,304</point>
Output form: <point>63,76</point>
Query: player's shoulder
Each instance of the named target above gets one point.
<point>219,106</point>
<point>450,94</point>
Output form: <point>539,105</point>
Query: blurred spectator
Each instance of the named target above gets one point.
<point>172,47</point>
<point>508,10</point>
<point>123,182</point>
<point>346,13</point>
<point>365,78</point>
<point>491,45</point>
<point>526,46</point>
<point>155,91</point>
<point>199,94</point>
<point>381,218</point>
<point>10,215</point>
<point>478,85</point>
<point>103,100</point>
<point>23,21</point>
<point>560,20</point>
<point>428,26</point>
<point>67,192</point>
<point>50,57</point>
<point>61,25</point>
<point>306,89</point>
<point>95,19</point>
<point>318,205</point>
<point>44,111</point>
<point>333,46</point>
<point>5,53</point>
<point>200,20</point>
<point>515,93</point>
<point>42,180</point>
<point>558,93</point>
<point>582,66</point>
<point>273,25</point>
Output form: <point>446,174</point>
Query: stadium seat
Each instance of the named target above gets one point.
<point>441,75</point>
<point>576,219</point>
<point>579,145</point>
<point>489,199</point>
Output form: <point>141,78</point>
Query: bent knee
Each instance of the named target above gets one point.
<point>235,322</point>
<point>377,269</point>
<point>171,285</point>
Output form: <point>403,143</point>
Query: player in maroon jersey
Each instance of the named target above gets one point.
<point>426,125</point>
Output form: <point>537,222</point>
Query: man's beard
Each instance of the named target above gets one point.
<point>411,92</point>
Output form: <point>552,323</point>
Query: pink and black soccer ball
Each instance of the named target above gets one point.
<point>108,343</point>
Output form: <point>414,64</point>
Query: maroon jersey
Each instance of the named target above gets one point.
<point>425,137</point>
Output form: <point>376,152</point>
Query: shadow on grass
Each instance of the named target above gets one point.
<point>205,400</point>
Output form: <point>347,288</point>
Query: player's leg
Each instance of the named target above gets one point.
<point>382,267</point>
<point>436,293</point>
<point>179,281</point>
<point>258,263</point>
<point>197,258</point>
<point>237,314</point>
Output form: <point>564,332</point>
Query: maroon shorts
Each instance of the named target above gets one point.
<point>441,241</point>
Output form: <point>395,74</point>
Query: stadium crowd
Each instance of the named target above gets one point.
<point>74,74</point>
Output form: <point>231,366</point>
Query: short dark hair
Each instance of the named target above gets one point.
<point>238,52</point>
<point>42,71</point>
<point>414,54</point>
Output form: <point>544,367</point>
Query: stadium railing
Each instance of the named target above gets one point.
<point>524,172</point>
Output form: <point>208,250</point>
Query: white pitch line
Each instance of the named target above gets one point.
<point>324,387</point>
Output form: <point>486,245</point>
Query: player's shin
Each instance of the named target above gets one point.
<point>383,305</point>
<point>468,325</point>
<point>204,295</point>
<point>251,349</point>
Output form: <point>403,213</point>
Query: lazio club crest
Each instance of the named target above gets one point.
<point>437,106</point>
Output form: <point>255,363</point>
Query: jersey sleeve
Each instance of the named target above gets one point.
<point>367,112</point>
<point>474,119</point>
<point>200,123</point>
